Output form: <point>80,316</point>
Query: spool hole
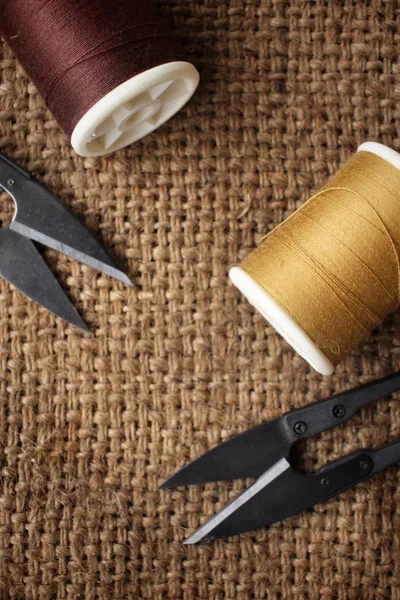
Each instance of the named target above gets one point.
<point>142,114</point>
<point>7,209</point>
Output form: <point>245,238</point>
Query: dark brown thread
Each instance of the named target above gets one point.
<point>76,51</point>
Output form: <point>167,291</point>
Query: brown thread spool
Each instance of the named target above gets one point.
<point>328,275</point>
<point>110,71</point>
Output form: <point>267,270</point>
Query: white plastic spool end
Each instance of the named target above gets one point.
<point>281,321</point>
<point>276,315</point>
<point>134,109</point>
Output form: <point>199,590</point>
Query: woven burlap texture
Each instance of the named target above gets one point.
<point>90,425</point>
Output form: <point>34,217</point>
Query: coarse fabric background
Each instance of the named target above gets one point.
<point>90,425</point>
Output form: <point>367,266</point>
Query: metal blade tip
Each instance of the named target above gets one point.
<point>169,482</point>
<point>121,276</point>
<point>82,326</point>
<point>221,524</point>
<point>107,269</point>
<point>76,321</point>
<point>202,534</point>
<point>197,537</point>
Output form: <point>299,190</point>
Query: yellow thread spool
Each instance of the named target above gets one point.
<point>328,275</point>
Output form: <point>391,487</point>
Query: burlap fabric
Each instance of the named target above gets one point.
<point>91,424</point>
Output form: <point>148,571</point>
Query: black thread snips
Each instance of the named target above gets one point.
<point>40,217</point>
<point>281,490</point>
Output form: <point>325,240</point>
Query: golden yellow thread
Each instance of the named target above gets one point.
<point>333,266</point>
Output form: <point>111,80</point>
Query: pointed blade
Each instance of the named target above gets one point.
<point>41,217</point>
<point>238,515</point>
<point>22,266</point>
<point>248,454</point>
<point>281,492</point>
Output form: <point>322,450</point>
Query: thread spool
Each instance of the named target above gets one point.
<point>110,72</point>
<point>357,240</point>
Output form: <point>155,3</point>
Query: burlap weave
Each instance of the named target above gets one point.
<point>91,424</point>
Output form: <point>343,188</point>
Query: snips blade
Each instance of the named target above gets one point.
<point>22,265</point>
<point>254,451</point>
<point>41,217</point>
<point>247,454</point>
<point>283,491</point>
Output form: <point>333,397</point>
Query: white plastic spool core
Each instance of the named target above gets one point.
<point>134,109</point>
<point>276,315</point>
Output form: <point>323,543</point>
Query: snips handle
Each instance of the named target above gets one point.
<point>326,414</point>
<point>340,475</point>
